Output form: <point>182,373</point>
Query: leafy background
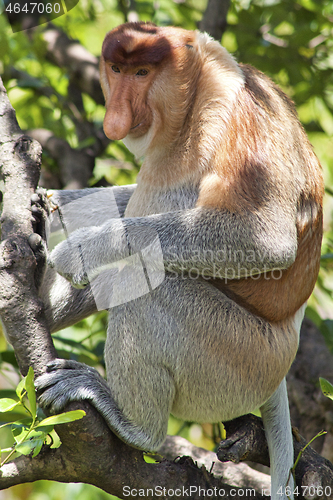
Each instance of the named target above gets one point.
<point>291,41</point>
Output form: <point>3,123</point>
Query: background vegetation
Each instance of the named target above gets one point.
<point>291,41</point>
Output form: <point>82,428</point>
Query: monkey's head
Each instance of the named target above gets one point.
<point>144,79</point>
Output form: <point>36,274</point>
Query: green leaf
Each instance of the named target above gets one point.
<point>7,404</point>
<point>44,428</point>
<point>27,447</point>
<point>7,393</point>
<point>38,447</point>
<point>9,357</point>
<point>6,450</point>
<point>149,458</point>
<point>31,392</point>
<point>20,388</point>
<point>62,418</point>
<point>326,387</point>
<point>19,431</point>
<point>40,434</point>
<point>55,439</point>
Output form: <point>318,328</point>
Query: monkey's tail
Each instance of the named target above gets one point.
<point>276,418</point>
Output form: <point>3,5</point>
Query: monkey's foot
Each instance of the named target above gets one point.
<point>245,441</point>
<point>67,380</point>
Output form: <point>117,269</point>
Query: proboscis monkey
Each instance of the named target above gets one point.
<point>206,264</point>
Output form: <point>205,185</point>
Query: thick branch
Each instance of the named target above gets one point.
<point>20,308</point>
<point>246,441</point>
<point>240,475</point>
<point>112,465</point>
<point>310,410</point>
<point>80,64</point>
<point>214,20</point>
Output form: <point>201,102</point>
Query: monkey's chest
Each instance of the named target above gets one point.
<point>147,201</point>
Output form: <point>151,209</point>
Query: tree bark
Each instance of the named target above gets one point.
<point>214,20</point>
<point>21,308</point>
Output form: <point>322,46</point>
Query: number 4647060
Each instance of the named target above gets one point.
<point>30,7</point>
<point>308,491</point>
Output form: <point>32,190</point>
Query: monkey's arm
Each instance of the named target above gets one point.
<point>65,305</point>
<point>92,206</point>
<point>211,242</point>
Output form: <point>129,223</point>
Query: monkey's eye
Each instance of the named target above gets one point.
<point>142,72</point>
<point>115,69</point>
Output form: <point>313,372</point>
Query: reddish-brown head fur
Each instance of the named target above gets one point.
<point>135,44</point>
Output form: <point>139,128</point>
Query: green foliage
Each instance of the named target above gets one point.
<point>31,432</point>
<point>51,490</point>
<point>326,388</point>
<point>321,433</point>
<point>84,341</point>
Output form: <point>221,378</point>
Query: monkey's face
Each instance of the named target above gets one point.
<point>127,108</point>
<point>145,83</point>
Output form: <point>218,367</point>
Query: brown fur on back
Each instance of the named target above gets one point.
<point>267,148</point>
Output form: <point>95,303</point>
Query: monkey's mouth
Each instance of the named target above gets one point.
<point>139,129</point>
<point>136,126</point>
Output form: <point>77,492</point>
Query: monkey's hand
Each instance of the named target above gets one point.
<point>41,207</point>
<point>40,211</point>
<point>89,251</point>
<point>67,259</point>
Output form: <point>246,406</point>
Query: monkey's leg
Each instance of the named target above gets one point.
<point>276,418</point>
<point>222,360</point>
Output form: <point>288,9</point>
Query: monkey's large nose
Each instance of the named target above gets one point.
<point>117,121</point>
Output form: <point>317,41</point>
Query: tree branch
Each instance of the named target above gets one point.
<point>310,410</point>
<point>23,318</point>
<point>214,20</point>
<point>76,165</point>
<point>246,441</point>
<point>80,64</point>
<point>112,465</point>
